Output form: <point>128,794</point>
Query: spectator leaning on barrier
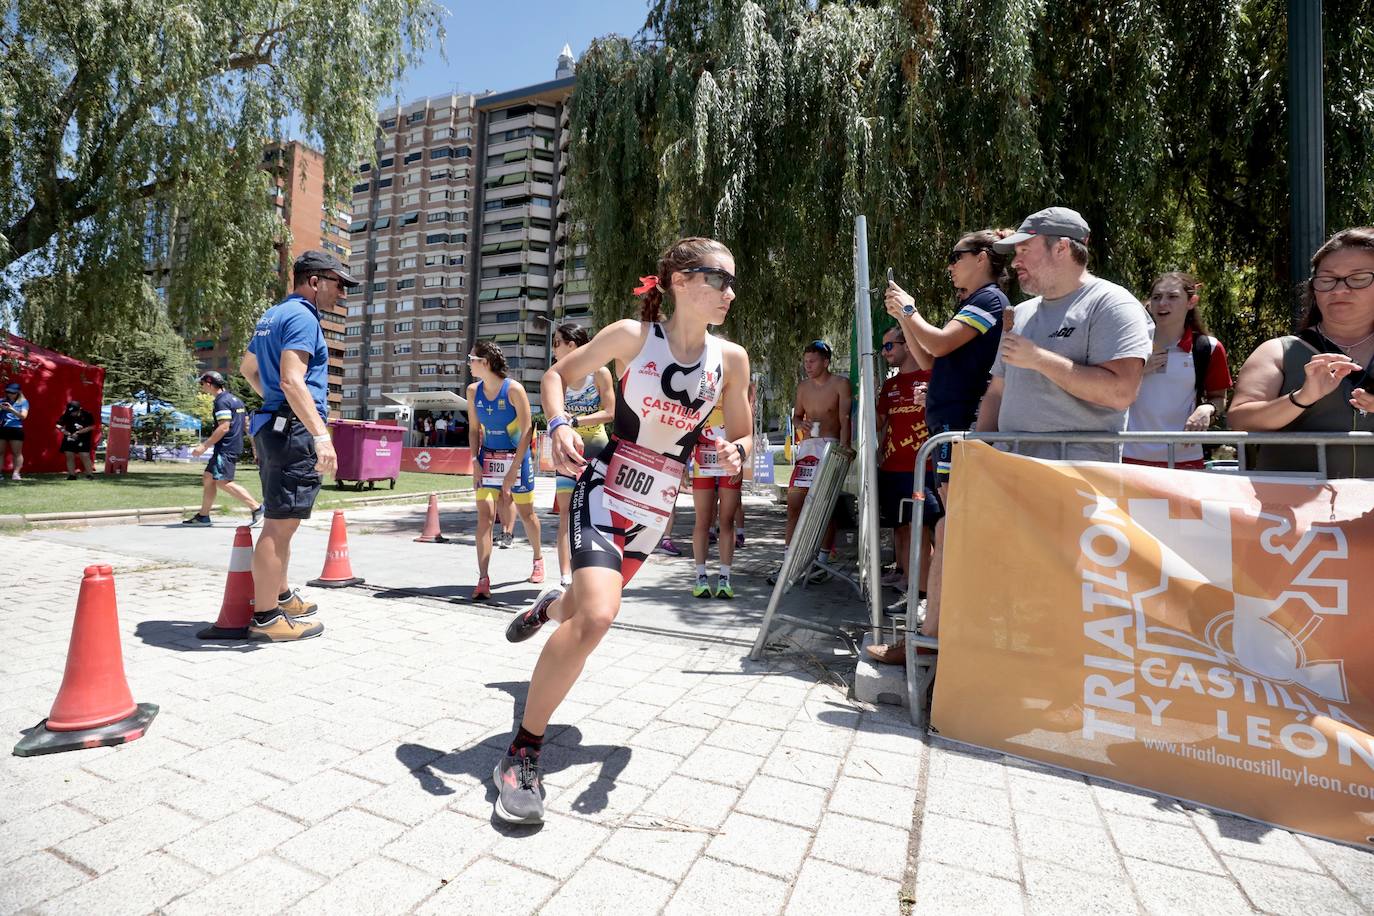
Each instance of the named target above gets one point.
<point>1318,380</point>
<point>226,440</point>
<point>966,347</point>
<point>821,414</point>
<point>964,351</point>
<point>901,410</point>
<point>76,426</point>
<point>1186,377</point>
<point>1074,355</point>
<point>14,409</point>
<point>287,364</point>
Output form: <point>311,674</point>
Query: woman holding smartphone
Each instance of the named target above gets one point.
<point>964,349</point>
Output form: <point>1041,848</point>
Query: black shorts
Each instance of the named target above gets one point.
<point>286,467</point>
<point>76,446</point>
<point>222,467</point>
<point>896,486</point>
<point>11,434</point>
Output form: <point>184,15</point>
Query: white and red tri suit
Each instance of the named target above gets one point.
<point>623,501</point>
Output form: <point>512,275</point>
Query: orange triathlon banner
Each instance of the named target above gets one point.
<point>1206,636</point>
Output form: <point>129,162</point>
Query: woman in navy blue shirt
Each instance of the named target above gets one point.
<point>964,350</point>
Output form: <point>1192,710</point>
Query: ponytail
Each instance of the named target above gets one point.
<point>682,255</point>
<point>998,263</point>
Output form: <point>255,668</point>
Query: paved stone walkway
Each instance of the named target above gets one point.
<point>352,774</point>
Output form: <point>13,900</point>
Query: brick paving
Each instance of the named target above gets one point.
<point>353,774</point>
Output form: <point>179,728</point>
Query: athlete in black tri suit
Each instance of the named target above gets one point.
<point>671,374</point>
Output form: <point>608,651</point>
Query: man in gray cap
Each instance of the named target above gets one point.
<point>1072,357</point>
<point>287,363</point>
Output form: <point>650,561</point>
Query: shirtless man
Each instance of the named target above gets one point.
<point>822,415</point>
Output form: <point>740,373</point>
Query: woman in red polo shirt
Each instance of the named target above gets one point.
<point>1186,377</point>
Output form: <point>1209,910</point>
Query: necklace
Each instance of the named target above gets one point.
<point>1345,348</point>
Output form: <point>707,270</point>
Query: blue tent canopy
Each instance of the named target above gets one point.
<point>141,406</point>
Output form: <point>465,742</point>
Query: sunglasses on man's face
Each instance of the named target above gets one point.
<point>718,279</point>
<point>888,345</point>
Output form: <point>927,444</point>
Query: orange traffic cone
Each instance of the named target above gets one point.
<point>338,569</point>
<point>93,707</point>
<point>236,611</point>
<point>432,535</point>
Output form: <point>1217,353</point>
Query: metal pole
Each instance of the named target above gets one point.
<point>370,273</point>
<point>1306,143</point>
<point>868,431</point>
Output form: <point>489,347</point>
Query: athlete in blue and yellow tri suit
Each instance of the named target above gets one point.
<point>500,430</point>
<point>590,405</point>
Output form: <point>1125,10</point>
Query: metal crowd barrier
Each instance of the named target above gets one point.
<point>920,669</point>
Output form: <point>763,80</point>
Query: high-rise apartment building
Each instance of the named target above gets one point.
<point>461,234</point>
<point>297,192</point>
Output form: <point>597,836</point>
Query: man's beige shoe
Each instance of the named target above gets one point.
<point>282,628</point>
<point>296,606</point>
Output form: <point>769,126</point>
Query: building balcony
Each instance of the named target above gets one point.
<point>505,259</point>
<point>509,146</point>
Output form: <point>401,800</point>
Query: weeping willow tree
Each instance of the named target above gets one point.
<point>771,123</point>
<point>133,132</point>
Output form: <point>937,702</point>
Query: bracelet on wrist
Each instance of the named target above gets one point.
<point>1293,396</point>
<point>557,422</point>
<point>322,437</point>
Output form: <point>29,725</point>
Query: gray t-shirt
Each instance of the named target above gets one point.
<point>1094,324</point>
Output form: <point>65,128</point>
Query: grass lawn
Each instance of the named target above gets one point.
<point>148,486</point>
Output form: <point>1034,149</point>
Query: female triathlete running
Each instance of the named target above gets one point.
<point>672,374</point>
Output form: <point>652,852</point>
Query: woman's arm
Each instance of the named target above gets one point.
<point>1259,404</point>
<point>474,427</point>
<point>605,387</point>
<point>520,400</point>
<point>732,449</point>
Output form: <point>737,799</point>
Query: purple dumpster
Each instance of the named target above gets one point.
<point>368,452</point>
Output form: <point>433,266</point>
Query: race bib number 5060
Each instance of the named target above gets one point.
<point>641,484</point>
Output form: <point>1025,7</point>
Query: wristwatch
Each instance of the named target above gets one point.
<point>573,422</point>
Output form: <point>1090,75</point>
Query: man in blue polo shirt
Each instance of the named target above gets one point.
<point>225,444</point>
<point>287,363</point>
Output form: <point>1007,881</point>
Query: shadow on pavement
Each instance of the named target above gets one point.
<point>429,591</point>
<point>180,636</point>
<point>563,748</point>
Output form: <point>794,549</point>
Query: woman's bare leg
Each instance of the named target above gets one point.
<point>586,612</point>
<point>486,511</point>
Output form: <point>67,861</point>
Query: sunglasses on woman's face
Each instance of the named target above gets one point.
<point>719,280</point>
<point>958,253</point>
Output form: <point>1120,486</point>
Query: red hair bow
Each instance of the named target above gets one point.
<point>646,284</point>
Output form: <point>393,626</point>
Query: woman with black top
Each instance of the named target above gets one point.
<point>1318,380</point>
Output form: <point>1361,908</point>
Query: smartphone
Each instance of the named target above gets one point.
<point>906,309</point>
